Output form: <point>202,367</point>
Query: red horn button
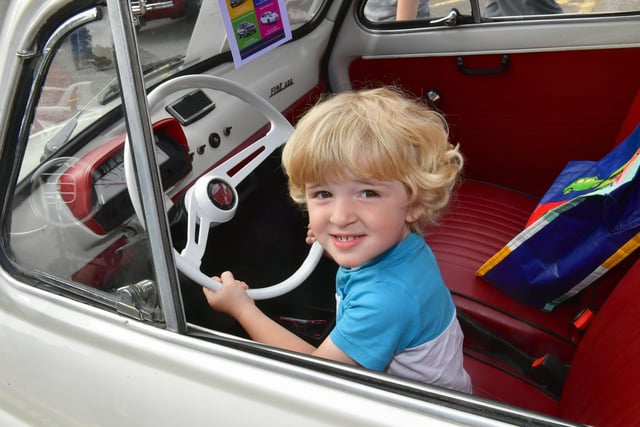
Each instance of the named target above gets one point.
<point>221,194</point>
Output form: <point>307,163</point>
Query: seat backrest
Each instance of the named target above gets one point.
<point>631,120</point>
<point>603,385</point>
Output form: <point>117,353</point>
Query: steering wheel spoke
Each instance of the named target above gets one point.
<point>197,236</point>
<point>237,167</point>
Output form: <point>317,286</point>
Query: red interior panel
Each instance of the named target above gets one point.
<point>493,382</point>
<point>518,128</point>
<point>77,182</point>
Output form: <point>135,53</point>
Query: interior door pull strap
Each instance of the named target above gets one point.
<point>504,65</point>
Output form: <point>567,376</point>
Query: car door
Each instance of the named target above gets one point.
<point>523,95</point>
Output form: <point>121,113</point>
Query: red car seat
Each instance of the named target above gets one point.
<point>603,383</point>
<point>482,218</point>
<point>603,380</point>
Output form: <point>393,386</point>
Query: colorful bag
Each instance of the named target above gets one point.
<point>586,223</point>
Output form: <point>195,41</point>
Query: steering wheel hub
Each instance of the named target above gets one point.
<point>222,195</point>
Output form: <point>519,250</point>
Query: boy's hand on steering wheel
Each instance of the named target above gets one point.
<point>232,297</point>
<point>310,239</point>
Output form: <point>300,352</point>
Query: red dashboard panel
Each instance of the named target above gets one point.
<point>94,188</point>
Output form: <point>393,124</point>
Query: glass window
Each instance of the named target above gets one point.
<point>516,8</point>
<point>391,10</point>
<point>81,85</point>
<point>77,90</point>
<point>72,219</point>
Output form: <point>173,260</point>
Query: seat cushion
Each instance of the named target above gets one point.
<point>481,219</point>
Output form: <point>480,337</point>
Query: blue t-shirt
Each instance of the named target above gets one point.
<point>395,314</point>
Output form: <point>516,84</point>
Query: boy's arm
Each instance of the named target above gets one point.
<point>232,299</point>
<point>406,9</point>
<point>262,328</point>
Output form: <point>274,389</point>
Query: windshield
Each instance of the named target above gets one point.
<point>72,207</point>
<point>81,84</point>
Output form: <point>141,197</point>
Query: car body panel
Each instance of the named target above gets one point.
<point>56,376</point>
<point>79,349</point>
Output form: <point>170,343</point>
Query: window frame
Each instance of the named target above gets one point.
<point>172,317</point>
<point>476,8</point>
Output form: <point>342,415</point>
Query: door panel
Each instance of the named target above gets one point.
<point>508,122</point>
<point>563,95</point>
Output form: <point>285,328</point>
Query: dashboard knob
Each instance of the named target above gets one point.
<point>214,140</point>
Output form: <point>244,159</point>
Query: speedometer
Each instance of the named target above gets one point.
<point>108,179</point>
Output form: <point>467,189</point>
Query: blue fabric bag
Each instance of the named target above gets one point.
<point>586,223</point>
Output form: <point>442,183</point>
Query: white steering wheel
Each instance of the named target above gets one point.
<point>213,198</point>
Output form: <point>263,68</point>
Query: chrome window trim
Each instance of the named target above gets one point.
<point>137,118</point>
<point>46,57</point>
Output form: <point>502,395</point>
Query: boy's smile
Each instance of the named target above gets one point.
<point>355,220</point>
<point>346,242</point>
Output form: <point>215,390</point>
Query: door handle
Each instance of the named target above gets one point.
<point>504,65</point>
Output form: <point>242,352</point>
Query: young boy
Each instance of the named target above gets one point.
<point>372,168</point>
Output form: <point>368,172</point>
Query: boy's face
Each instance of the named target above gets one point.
<point>355,221</point>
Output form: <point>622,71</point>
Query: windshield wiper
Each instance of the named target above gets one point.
<point>150,70</point>
<point>60,138</point>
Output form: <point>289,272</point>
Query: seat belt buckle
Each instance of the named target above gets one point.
<point>550,372</point>
<point>580,323</point>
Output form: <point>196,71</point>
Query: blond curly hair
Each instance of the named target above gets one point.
<point>376,134</point>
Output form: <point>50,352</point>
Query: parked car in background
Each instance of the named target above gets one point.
<point>269,17</point>
<point>147,10</point>
<point>245,29</point>
<point>130,182</point>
